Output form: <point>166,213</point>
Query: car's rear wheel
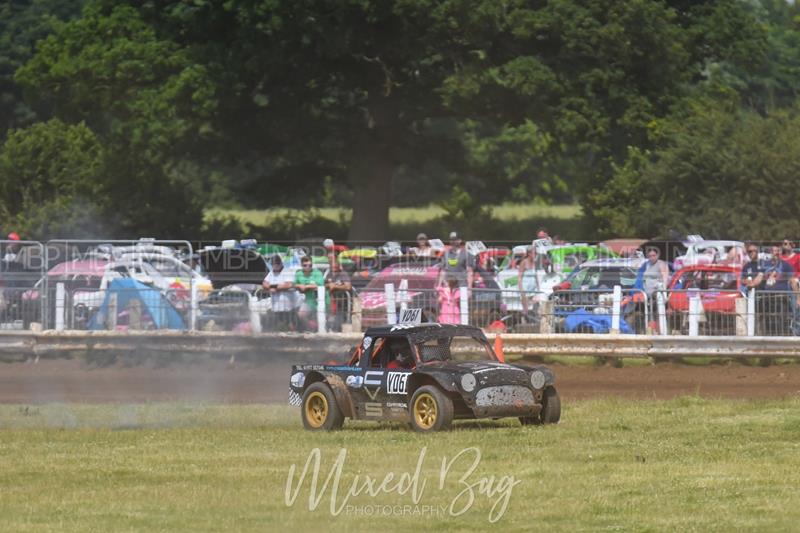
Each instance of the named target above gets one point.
<point>551,410</point>
<point>430,409</point>
<point>319,409</point>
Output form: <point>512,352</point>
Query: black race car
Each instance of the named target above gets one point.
<point>425,374</point>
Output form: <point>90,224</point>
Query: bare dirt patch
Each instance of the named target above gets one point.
<point>250,382</point>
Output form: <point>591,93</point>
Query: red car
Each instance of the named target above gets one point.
<point>717,285</point>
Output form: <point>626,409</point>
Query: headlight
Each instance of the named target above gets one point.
<point>537,379</point>
<point>468,382</point>
<point>298,379</point>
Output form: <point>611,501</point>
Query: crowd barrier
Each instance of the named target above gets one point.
<point>617,310</point>
<point>82,296</point>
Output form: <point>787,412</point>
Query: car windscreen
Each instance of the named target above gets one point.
<point>458,348</point>
<point>707,280</point>
<point>602,277</point>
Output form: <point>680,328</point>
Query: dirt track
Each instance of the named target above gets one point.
<point>216,381</point>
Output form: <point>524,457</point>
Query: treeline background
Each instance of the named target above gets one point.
<point>131,118</point>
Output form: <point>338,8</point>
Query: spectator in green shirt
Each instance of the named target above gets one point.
<point>306,281</point>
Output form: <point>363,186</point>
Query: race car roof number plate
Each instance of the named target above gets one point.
<point>411,316</point>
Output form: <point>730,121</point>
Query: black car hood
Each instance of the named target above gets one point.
<point>486,372</point>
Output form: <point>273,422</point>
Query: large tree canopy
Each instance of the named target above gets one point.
<point>51,181</point>
<point>146,100</point>
<point>731,173</point>
<point>266,103</point>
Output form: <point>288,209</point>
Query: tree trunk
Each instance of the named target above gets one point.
<point>373,193</point>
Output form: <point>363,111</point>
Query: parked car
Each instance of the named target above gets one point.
<point>552,265</point>
<point>236,275</point>
<point>707,252</point>
<point>717,286</point>
<point>589,288</point>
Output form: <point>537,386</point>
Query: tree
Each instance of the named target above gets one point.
<point>148,102</point>
<point>309,91</point>
<point>22,23</point>
<point>587,77</point>
<point>52,181</point>
<point>717,170</point>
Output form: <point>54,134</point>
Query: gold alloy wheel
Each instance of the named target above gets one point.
<point>425,411</point>
<point>316,409</point>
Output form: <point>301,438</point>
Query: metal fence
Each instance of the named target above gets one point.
<point>146,285</point>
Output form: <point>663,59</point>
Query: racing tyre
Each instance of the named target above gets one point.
<point>551,410</point>
<point>430,410</point>
<point>551,406</point>
<point>319,409</point>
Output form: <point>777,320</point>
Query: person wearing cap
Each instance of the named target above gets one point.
<point>456,263</point>
<point>280,284</point>
<point>12,248</point>
<point>423,248</point>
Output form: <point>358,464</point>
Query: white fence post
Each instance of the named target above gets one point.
<point>662,313</point>
<point>694,315</point>
<point>402,295</point>
<point>741,316</point>
<point>321,309</point>
<point>391,311</point>
<point>193,307</point>
<point>615,309</point>
<point>255,316</point>
<point>751,313</point>
<point>463,300</point>
<point>60,306</point>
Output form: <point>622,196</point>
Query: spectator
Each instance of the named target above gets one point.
<point>777,272</point>
<point>449,296</point>
<point>13,247</point>
<point>652,276</point>
<point>456,263</point>
<point>423,248</point>
<point>338,284</point>
<point>788,255</point>
<point>753,271</point>
<point>733,256</point>
<point>541,233</point>
<point>280,284</point>
<point>306,281</point>
<point>775,302</point>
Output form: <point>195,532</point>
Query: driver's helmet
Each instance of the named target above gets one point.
<point>402,351</point>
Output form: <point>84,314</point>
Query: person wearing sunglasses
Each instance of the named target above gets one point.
<point>753,273</point>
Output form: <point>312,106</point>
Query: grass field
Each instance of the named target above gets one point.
<point>405,215</point>
<point>687,464</point>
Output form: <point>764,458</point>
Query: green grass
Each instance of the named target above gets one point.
<point>407,215</point>
<point>686,464</point>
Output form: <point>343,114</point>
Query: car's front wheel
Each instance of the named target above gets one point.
<point>551,410</point>
<point>430,409</point>
<point>319,409</point>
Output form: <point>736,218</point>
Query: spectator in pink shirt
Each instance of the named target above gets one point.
<point>449,304</point>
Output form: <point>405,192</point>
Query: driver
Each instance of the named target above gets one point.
<point>401,354</point>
